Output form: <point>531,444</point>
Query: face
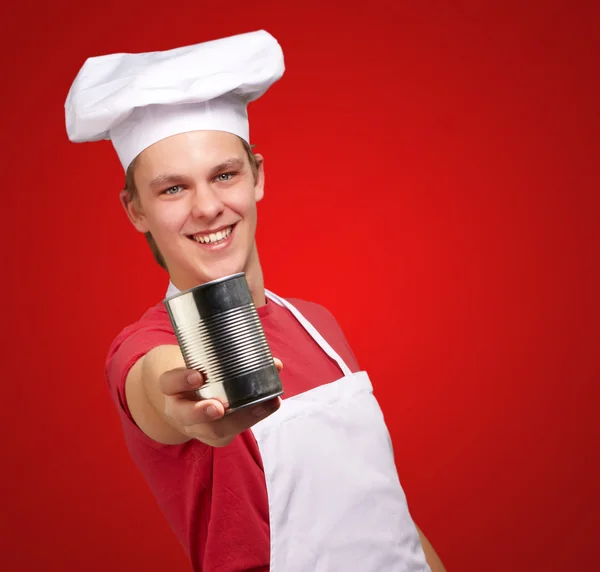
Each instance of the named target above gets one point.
<point>197,196</point>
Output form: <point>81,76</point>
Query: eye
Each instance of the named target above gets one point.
<point>224,177</point>
<point>173,190</point>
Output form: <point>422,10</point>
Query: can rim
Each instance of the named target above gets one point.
<point>204,285</point>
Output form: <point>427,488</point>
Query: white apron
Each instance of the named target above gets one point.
<point>335,500</point>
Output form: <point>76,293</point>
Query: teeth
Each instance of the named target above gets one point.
<point>213,237</point>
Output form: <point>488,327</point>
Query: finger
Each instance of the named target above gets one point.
<point>187,413</point>
<point>180,380</point>
<point>243,419</point>
<point>278,364</point>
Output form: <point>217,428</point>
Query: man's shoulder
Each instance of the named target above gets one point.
<point>151,330</point>
<point>153,326</point>
<point>328,326</point>
<point>313,311</point>
<point>306,304</point>
<point>154,317</point>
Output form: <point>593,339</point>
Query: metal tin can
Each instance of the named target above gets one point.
<point>220,335</point>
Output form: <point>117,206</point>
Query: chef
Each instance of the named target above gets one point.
<point>303,484</point>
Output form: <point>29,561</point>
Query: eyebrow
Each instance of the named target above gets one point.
<point>234,163</point>
<point>170,179</point>
<point>165,180</point>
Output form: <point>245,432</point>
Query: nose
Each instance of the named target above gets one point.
<point>206,203</point>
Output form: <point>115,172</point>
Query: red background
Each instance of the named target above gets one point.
<point>432,178</point>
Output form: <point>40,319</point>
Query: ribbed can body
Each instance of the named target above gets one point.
<point>220,334</point>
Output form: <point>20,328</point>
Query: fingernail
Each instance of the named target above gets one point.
<point>194,378</point>
<point>211,411</point>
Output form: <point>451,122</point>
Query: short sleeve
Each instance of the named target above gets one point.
<point>152,330</point>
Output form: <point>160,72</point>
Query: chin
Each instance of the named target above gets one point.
<point>196,271</point>
<point>220,271</point>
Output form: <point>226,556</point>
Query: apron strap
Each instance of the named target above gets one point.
<point>312,331</point>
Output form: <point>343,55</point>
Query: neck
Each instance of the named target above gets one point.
<point>254,277</point>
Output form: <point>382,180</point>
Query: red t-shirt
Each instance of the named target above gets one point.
<point>215,499</point>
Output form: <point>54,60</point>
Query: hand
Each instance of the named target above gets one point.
<point>205,420</point>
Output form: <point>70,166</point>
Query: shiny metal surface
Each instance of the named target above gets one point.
<point>220,335</point>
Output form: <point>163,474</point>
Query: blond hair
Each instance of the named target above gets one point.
<point>133,195</point>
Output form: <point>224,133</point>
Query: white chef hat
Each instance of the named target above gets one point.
<point>135,100</point>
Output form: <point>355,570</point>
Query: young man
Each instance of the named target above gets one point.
<point>301,484</point>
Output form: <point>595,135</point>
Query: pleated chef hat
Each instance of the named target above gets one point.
<point>135,100</point>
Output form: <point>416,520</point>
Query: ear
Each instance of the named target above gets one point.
<point>134,211</point>
<point>259,185</point>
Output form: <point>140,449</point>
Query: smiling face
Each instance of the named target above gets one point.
<point>197,195</point>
